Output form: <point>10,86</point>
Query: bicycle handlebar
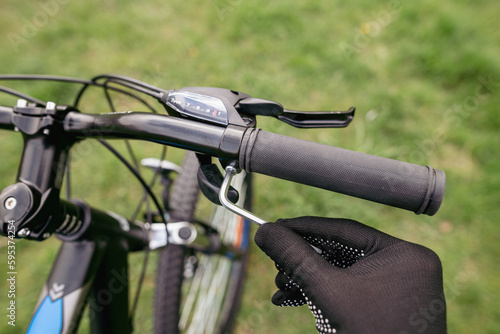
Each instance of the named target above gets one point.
<point>395,183</point>
<point>177,132</point>
<point>5,118</point>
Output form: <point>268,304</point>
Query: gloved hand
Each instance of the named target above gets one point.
<point>364,281</point>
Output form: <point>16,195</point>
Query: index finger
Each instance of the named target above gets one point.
<point>346,232</point>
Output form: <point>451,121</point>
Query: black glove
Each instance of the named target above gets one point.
<point>364,281</point>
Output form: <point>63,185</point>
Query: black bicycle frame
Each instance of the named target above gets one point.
<point>92,262</point>
<point>92,268</point>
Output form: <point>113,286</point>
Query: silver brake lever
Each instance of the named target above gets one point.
<point>230,172</point>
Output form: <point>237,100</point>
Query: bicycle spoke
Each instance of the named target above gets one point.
<point>193,292</point>
<point>219,293</point>
<point>151,184</point>
<point>210,289</point>
<point>196,325</point>
<point>209,306</point>
<point>207,289</point>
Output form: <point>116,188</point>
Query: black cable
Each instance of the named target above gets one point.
<point>106,86</point>
<point>132,86</point>
<point>133,81</point>
<point>84,88</point>
<point>109,99</point>
<point>151,183</point>
<point>27,97</point>
<point>149,219</point>
<point>93,81</point>
<point>134,170</point>
<point>139,178</point>
<point>139,284</point>
<point>85,83</point>
<point>42,77</point>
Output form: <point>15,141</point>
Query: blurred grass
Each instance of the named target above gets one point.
<point>424,76</point>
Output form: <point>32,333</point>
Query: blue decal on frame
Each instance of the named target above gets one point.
<point>48,317</point>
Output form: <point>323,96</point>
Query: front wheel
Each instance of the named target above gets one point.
<point>196,292</point>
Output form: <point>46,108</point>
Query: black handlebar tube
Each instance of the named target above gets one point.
<point>6,118</point>
<point>222,142</point>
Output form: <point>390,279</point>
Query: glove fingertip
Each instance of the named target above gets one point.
<point>280,298</point>
<point>283,282</point>
<point>264,232</point>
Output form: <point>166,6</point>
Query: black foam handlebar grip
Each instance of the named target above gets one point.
<point>400,184</point>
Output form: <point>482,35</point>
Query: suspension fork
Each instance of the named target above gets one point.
<point>86,271</point>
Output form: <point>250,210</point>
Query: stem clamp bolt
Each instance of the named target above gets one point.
<point>10,203</point>
<point>23,233</point>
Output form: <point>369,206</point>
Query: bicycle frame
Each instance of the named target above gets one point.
<point>92,262</point>
<point>93,270</point>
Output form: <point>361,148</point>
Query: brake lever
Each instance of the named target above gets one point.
<point>317,119</point>
<point>299,119</point>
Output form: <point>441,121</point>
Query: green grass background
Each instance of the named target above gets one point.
<point>424,76</point>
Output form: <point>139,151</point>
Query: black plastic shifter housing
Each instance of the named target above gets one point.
<point>224,106</point>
